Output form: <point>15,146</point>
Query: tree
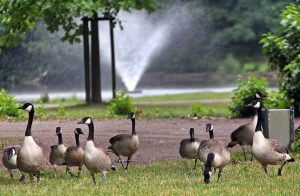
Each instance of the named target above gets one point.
<point>283,51</point>
<point>19,17</point>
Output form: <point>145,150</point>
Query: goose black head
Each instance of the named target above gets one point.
<point>58,130</point>
<point>131,115</point>
<point>256,104</point>
<point>28,107</point>
<point>207,175</point>
<point>86,120</point>
<point>258,95</point>
<point>11,152</point>
<point>209,127</point>
<point>78,131</point>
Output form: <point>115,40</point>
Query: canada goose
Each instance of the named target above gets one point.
<point>243,135</point>
<point>189,148</point>
<point>210,130</point>
<point>9,158</point>
<point>57,153</point>
<point>268,151</point>
<point>213,153</point>
<point>30,157</point>
<point>73,155</point>
<point>95,159</point>
<point>125,144</point>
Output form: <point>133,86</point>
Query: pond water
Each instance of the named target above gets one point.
<point>107,95</point>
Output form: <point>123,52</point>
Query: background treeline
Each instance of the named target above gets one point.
<point>220,36</point>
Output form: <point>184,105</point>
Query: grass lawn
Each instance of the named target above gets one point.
<point>164,178</point>
<point>158,107</point>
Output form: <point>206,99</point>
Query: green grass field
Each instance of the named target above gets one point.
<point>164,178</point>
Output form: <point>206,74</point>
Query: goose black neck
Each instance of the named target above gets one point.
<point>133,126</point>
<point>210,159</point>
<point>29,123</point>
<point>60,140</point>
<point>91,132</point>
<point>77,140</point>
<point>211,134</point>
<point>192,135</point>
<point>259,120</point>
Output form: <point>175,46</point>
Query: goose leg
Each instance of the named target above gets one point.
<point>219,174</point>
<point>121,161</point>
<point>128,160</point>
<point>10,173</point>
<point>265,169</point>
<point>185,165</point>
<point>69,172</point>
<point>31,178</point>
<point>103,176</point>
<point>22,179</point>
<point>244,152</point>
<point>79,171</point>
<point>55,170</point>
<point>38,177</point>
<point>195,163</point>
<point>280,168</point>
<point>215,170</point>
<point>94,179</point>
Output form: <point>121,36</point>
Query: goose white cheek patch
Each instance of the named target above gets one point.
<point>88,121</point>
<point>76,132</point>
<point>29,108</point>
<point>14,152</point>
<point>257,105</point>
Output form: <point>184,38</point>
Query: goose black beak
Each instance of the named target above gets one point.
<point>80,122</point>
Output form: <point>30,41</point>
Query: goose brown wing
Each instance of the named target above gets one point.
<point>118,138</point>
<point>278,146</point>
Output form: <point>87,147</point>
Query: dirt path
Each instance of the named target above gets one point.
<point>159,138</point>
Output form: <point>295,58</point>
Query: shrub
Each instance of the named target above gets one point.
<point>61,111</point>
<point>198,110</point>
<point>243,95</point>
<point>284,53</point>
<point>120,105</point>
<point>8,105</point>
<point>40,110</point>
<point>277,99</point>
<point>295,147</point>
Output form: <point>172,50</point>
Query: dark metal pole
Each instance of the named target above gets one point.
<point>113,63</point>
<point>86,56</point>
<point>95,56</point>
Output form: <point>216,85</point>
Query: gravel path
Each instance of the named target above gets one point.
<point>159,138</point>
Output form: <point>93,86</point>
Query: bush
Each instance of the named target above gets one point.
<point>243,95</point>
<point>8,105</point>
<point>121,105</point>
<point>277,99</point>
<point>283,51</point>
<point>295,147</point>
<point>198,110</point>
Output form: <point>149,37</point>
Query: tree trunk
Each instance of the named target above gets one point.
<point>86,55</point>
<point>95,56</point>
<point>113,66</point>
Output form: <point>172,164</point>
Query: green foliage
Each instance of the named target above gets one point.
<point>40,110</point>
<point>276,100</point>
<point>198,110</point>
<point>120,105</point>
<point>283,51</point>
<point>20,17</point>
<point>61,111</point>
<point>295,146</point>
<point>243,95</point>
<point>8,105</point>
